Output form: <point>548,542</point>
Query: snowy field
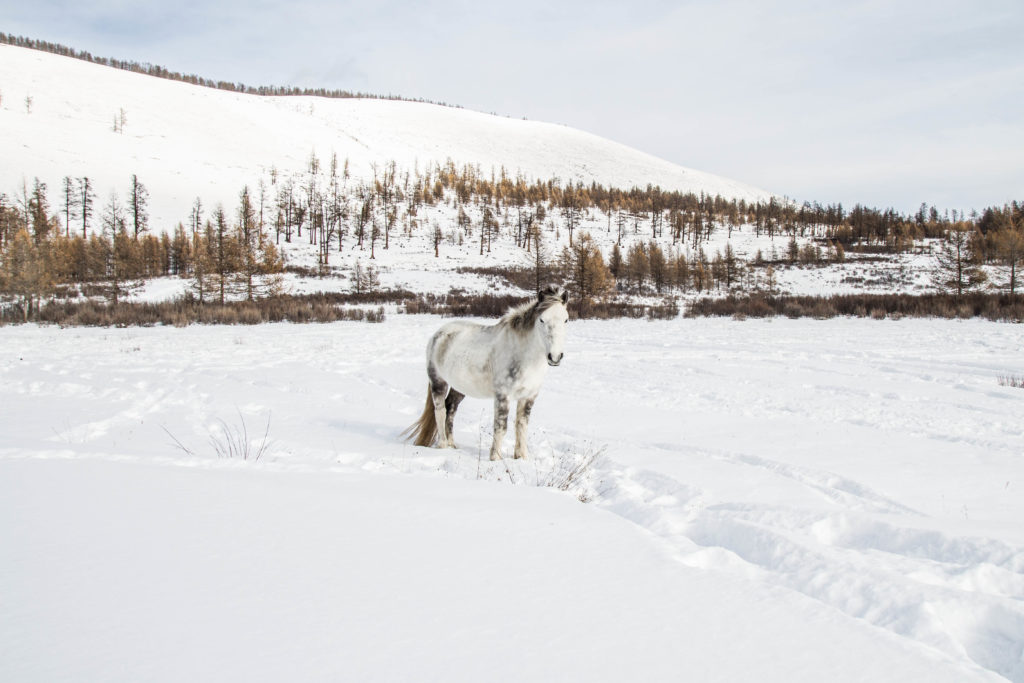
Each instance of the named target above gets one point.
<point>766,500</point>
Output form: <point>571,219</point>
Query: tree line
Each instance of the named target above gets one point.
<point>41,256</point>
<point>162,72</point>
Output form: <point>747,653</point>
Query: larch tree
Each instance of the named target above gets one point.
<point>24,272</point>
<point>540,257</point>
<point>681,268</point>
<point>115,233</point>
<point>86,203</point>
<point>138,206</point>
<point>615,262</point>
<point>202,263</point>
<point>585,266</point>
<point>8,221</point>
<point>248,241</point>
<point>1010,247</point>
<point>956,271</point>
<point>658,266</point>
<point>256,256</point>
<point>39,208</point>
<point>195,218</point>
<point>223,253</point>
<point>638,265</point>
<point>70,196</point>
<point>387,192</point>
<point>113,215</point>
<point>731,265</point>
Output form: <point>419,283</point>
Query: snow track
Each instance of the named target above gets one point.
<point>956,594</point>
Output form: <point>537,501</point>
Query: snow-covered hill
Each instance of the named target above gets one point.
<point>184,141</point>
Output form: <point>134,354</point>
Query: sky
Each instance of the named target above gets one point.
<point>884,103</point>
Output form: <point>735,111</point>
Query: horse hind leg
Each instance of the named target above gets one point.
<point>438,394</point>
<point>451,404</point>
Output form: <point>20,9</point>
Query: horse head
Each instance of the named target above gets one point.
<point>551,320</point>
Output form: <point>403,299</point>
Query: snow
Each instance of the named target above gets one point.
<point>709,499</point>
<point>769,500</point>
<point>185,141</point>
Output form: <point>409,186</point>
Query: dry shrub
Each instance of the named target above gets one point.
<point>187,311</point>
<point>791,309</point>
<point>521,278</point>
<point>878,306</point>
<point>330,307</point>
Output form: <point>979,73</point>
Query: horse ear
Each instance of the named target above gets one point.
<point>540,296</point>
<point>565,297</point>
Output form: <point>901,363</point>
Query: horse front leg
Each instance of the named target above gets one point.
<point>523,409</point>
<point>500,425</point>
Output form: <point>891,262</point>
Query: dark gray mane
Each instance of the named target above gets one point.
<point>523,317</point>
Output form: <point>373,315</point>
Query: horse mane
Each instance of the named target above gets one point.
<point>522,318</point>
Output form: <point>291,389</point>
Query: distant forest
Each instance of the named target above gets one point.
<point>162,72</point>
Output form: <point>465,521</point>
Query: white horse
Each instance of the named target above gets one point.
<point>506,361</point>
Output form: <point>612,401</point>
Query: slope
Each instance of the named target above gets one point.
<point>185,141</point>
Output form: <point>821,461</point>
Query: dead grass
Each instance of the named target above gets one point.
<point>1015,381</point>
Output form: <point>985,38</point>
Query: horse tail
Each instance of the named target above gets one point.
<point>424,430</point>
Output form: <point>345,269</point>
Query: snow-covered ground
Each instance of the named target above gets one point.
<point>768,500</point>
<point>410,265</point>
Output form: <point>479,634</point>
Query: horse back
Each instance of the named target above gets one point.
<point>460,353</point>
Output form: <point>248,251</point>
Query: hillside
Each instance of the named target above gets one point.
<point>185,141</point>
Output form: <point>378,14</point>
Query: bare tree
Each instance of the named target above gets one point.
<point>86,199</point>
<point>248,240</point>
<point>196,216</point>
<point>70,194</point>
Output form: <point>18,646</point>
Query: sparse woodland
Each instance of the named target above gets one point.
<point>69,243</point>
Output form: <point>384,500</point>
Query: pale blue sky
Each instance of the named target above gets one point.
<point>884,103</point>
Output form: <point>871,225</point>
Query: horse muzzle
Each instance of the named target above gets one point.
<point>554,361</point>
